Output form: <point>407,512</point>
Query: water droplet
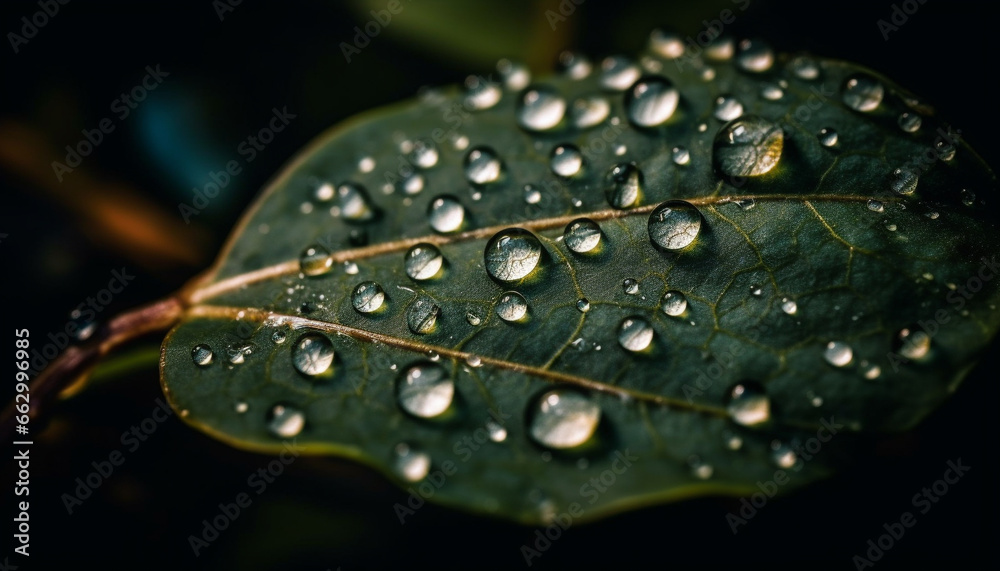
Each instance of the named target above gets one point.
<point>566,160</point>
<point>680,156</point>
<point>582,235</point>
<point>624,185</point>
<point>771,92</point>
<point>755,290</point>
<point>473,319</point>
<point>804,68</point>
<point>754,56</point>
<point>618,73</point>
<point>202,355</point>
<point>701,470</point>
<point>497,431</point>
<point>913,343</point>
<point>512,254</point>
<point>838,354</point>
<point>482,166</point>
<point>446,214</point>
<point>827,137</point>
<point>909,122</point>
<point>889,226</point>
<point>666,44</point>
<point>481,93</point>
<point>424,154</point>
<point>353,202</point>
<point>241,407</point>
<point>904,181</point>
<point>323,192</point>
<point>968,197</point>
<point>862,92</point>
<point>532,195</point>
<point>651,101</point>
<point>720,48</point>
<point>512,306</point>
<point>789,306</point>
<point>423,261</point>
<point>412,465</point>
<point>564,419</point>
<point>315,261</point>
<point>871,371</point>
<point>313,355</point>
<point>286,421</point>
<point>422,315</point>
<point>239,353</point>
<point>574,65</point>
<point>583,305</point>
<point>876,205</point>
<point>278,337</point>
<point>749,404</point>
<point>515,75</point>
<point>674,225</point>
<point>745,203</point>
<point>748,146</point>
<point>635,334</point>
<point>673,303</point>
<point>425,390</point>
<point>589,111</point>
<point>945,150</point>
<point>630,286</point>
<point>727,108</point>
<point>541,108</point>
<point>783,455</point>
<point>368,297</point>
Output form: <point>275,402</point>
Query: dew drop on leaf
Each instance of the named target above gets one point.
<point>285,421</point>
<point>541,108</point>
<point>482,166</point>
<point>673,303</point>
<point>583,305</point>
<point>913,343</point>
<point>582,235</point>
<point>202,355</point>
<point>589,111</point>
<point>353,201</point>
<point>566,161</point>
<point>827,137</point>
<point>481,94</point>
<point>515,75</point>
<point>680,156</point>
<point>838,353</point>
<point>564,419</point>
<point>754,56</point>
<point>313,355</point>
<point>368,297</point>
<point>727,108</point>
<point>635,334</point>
<point>674,225</point>
<point>422,315</point>
<point>749,404</point>
<point>862,92</point>
<point>748,146</point>
<point>412,465</point>
<point>624,185</point>
<point>423,261</point>
<point>512,306</point>
<point>651,101</point>
<point>446,214</point>
<point>618,73</point>
<point>425,390</point>
<point>512,254</point>
<point>315,261</point>
<point>630,286</point>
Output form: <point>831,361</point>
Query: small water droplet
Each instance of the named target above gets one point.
<point>482,166</point>
<point>635,334</point>
<point>512,254</point>
<point>575,65</point>
<point>913,343</point>
<point>727,108</point>
<point>827,137</point>
<point>315,261</point>
<point>480,93</point>
<point>673,303</point>
<point>624,185</point>
<point>532,195</point>
<point>749,404</point>
<point>968,197</point>
<point>771,92</point>
<point>368,297</point>
<point>473,319</point>
<point>425,390</point>
<point>239,353</point>
<point>582,235</point>
<point>701,470</point>
<point>286,421</point>
<point>278,337</point>
<point>412,184</point>
<point>202,355</point>
<point>424,154</point>
<point>755,290</point>
<point>323,192</point>
<point>838,353</point>
<point>497,431</point>
<point>783,455</point>
<point>680,156</point>
<point>313,355</point>
<point>904,181</point>
<point>583,305</point>
<point>618,73</point>
<point>515,75</point>
<point>446,214</point>
<point>804,68</point>
<point>876,205</point>
<point>862,92</point>
<point>789,306</point>
<point>411,464</point>
<point>666,44</point>
<point>353,202</point>
<point>745,203</point>
<point>423,262</point>
<point>870,371</point>
<point>589,111</point>
<point>651,101</point>
<point>564,419</point>
<point>909,122</point>
<point>566,161</point>
<point>748,146</point>
<point>541,108</point>
<point>241,407</point>
<point>512,306</point>
<point>754,56</point>
<point>422,315</point>
<point>630,286</point>
<point>674,225</point>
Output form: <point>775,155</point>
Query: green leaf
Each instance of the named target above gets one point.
<point>779,274</point>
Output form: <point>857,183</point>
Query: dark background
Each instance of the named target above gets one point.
<point>120,209</point>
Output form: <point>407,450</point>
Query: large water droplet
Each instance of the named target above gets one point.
<point>411,464</point>
<point>446,214</point>
<point>202,355</point>
<point>482,166</point>
<point>582,235</point>
<point>673,303</point>
<point>512,254</point>
<point>541,108</point>
<point>674,225</point>
<point>623,185</point>
<point>727,108</point>
<point>313,355</point>
<point>748,404</point>
<point>353,202</point>
<point>564,419</point>
<point>651,101</point>
<point>748,146</point>
<point>422,315</point>
<point>754,56</point>
<point>424,154</point>
<point>862,92</point>
<point>913,343</point>
<point>425,390</point>
<point>566,160</point>
<point>838,353</point>
<point>618,73</point>
<point>315,261</point>
<point>589,111</point>
<point>368,297</point>
<point>286,421</point>
<point>423,261</point>
<point>512,306</point>
<point>635,334</point>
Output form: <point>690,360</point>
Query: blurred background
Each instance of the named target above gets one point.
<point>226,68</point>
